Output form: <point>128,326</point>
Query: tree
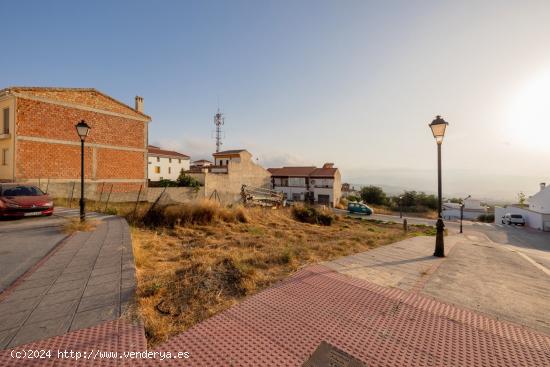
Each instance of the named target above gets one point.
<point>521,199</point>
<point>373,195</point>
<point>185,180</point>
<point>409,199</point>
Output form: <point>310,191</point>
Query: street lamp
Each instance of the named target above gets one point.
<point>82,129</point>
<point>401,207</point>
<point>462,210</point>
<point>438,127</point>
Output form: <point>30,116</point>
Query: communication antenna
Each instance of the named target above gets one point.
<point>218,121</point>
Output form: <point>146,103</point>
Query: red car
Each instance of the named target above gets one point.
<point>20,200</point>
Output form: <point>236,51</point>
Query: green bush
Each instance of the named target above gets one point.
<point>185,180</point>
<point>167,183</point>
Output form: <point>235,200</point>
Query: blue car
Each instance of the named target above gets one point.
<point>359,208</point>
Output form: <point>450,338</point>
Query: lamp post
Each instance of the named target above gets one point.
<point>401,207</point>
<point>462,210</point>
<point>438,127</point>
<point>82,130</point>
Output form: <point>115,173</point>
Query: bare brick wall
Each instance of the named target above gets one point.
<point>56,160</point>
<point>86,98</point>
<point>43,160</point>
<point>45,120</point>
<point>111,163</point>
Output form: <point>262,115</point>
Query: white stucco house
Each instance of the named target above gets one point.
<point>309,184</point>
<point>536,214</point>
<point>165,164</point>
<point>472,209</point>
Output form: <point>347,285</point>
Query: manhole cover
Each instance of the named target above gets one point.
<point>327,355</point>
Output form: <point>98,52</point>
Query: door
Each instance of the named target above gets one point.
<point>323,199</point>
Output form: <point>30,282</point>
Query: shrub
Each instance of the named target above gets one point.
<point>311,215</point>
<point>185,180</point>
<point>487,218</point>
<point>202,212</point>
<point>325,219</point>
<point>353,198</point>
<point>167,183</point>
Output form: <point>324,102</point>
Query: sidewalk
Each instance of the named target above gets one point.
<point>387,307</point>
<point>88,279</point>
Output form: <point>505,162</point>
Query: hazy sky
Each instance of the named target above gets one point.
<point>303,82</point>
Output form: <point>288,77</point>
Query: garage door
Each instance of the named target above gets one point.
<point>323,199</point>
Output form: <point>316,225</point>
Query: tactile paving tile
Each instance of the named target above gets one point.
<point>118,335</point>
<point>283,325</point>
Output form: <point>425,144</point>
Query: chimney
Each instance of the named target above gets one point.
<point>542,186</point>
<point>139,104</point>
<point>328,165</point>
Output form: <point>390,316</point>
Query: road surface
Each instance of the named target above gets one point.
<point>23,242</point>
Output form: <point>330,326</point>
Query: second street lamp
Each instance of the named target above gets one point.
<point>82,129</point>
<point>438,127</point>
<point>462,210</point>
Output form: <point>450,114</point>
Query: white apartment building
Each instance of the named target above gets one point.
<point>165,164</point>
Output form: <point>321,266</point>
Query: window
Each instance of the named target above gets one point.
<point>169,170</point>
<point>179,160</point>
<point>6,119</point>
<point>157,169</point>
<point>169,160</point>
<point>4,157</point>
<point>158,159</point>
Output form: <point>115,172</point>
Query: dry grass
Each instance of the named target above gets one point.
<point>197,268</point>
<point>75,225</point>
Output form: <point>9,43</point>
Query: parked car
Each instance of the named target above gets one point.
<point>21,200</point>
<point>513,219</point>
<point>359,208</point>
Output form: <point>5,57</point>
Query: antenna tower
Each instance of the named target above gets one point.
<point>218,121</point>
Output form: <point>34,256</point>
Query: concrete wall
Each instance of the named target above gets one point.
<point>228,185</point>
<point>114,191</point>
<point>174,194</point>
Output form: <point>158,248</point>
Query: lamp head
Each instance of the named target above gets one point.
<point>82,129</point>
<point>438,127</point>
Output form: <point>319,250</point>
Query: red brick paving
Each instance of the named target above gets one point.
<point>283,325</point>
<point>381,326</point>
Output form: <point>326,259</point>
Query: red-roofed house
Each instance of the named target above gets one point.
<point>310,184</point>
<point>165,164</point>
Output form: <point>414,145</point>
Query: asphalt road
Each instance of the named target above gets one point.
<point>23,242</point>
<point>535,244</point>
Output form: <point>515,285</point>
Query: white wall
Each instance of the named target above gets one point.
<point>288,191</point>
<point>168,170</point>
<point>540,202</point>
<point>532,219</point>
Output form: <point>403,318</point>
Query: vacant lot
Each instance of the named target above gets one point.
<point>190,271</point>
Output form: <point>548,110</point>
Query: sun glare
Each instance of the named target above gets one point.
<point>529,124</point>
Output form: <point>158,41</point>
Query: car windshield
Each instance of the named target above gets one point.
<point>21,191</point>
<point>516,216</point>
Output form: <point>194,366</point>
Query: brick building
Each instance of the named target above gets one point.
<point>38,140</point>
